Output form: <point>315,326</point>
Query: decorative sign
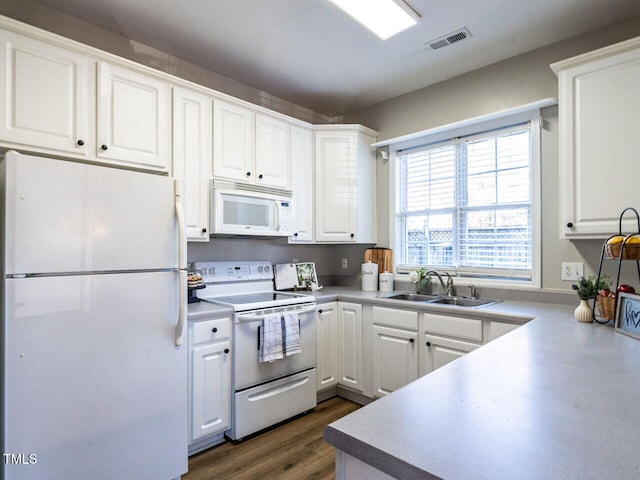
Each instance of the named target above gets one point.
<point>295,275</point>
<point>628,317</point>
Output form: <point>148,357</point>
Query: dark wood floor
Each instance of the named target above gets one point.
<point>292,451</point>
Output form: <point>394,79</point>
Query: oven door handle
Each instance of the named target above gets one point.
<point>255,318</point>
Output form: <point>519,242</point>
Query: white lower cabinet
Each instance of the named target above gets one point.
<point>438,351</point>
<point>448,338</point>
<point>327,345</point>
<point>394,349</point>
<point>209,382</point>
<point>350,347</point>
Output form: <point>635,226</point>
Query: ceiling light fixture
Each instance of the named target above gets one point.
<point>385,18</point>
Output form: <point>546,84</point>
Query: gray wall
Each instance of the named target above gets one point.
<point>513,82</point>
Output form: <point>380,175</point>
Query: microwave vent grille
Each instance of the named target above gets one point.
<point>248,187</point>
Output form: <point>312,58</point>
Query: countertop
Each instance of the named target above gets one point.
<point>552,399</point>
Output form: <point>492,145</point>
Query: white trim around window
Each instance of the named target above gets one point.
<point>465,129</point>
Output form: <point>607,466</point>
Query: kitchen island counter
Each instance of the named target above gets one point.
<point>553,399</point>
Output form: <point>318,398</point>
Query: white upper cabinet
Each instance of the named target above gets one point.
<point>302,184</point>
<point>192,157</point>
<point>599,98</point>
<point>233,142</point>
<point>43,96</point>
<point>250,147</point>
<point>345,184</point>
<point>272,152</point>
<point>134,119</point>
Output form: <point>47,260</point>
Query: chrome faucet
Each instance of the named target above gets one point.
<point>473,291</point>
<point>448,287</point>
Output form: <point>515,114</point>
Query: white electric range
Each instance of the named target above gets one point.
<point>264,393</point>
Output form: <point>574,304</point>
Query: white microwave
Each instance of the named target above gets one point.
<point>244,209</point>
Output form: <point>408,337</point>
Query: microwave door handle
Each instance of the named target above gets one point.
<point>277,215</point>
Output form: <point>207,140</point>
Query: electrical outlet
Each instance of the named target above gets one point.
<point>344,264</point>
<point>572,270</point>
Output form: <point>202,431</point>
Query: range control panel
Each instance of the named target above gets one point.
<point>219,272</point>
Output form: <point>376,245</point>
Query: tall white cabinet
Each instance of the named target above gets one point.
<point>302,184</point>
<point>599,98</point>
<point>345,184</point>
<point>192,157</point>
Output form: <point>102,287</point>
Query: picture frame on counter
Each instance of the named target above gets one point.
<point>628,315</point>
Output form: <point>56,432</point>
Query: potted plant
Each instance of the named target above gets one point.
<point>421,279</point>
<point>587,289</point>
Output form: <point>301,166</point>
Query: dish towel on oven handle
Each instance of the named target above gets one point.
<point>271,335</point>
<point>291,333</point>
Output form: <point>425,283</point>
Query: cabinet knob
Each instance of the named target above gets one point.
<point>248,174</point>
<point>320,311</point>
<point>204,230</point>
<point>80,142</point>
<point>295,234</point>
<point>104,147</point>
<point>569,225</point>
<point>214,329</point>
<point>353,235</point>
<point>260,176</point>
<point>226,350</point>
<point>411,340</point>
<point>428,344</point>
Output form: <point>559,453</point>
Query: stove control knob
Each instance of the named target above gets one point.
<point>260,269</point>
<point>267,268</point>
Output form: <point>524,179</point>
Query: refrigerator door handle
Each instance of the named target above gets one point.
<point>182,232</point>
<point>182,305</point>
<point>182,262</point>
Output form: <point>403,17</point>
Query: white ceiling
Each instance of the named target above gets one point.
<point>309,52</point>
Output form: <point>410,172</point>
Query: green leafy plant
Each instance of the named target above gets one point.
<point>587,287</point>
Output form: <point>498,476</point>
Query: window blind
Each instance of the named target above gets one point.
<point>466,204</point>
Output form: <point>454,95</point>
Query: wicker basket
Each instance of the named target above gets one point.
<point>630,252</point>
<point>606,305</point>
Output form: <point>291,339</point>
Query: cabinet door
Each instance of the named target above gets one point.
<point>599,144</point>
<point>335,186</point>
<point>192,158</point>
<point>233,142</point>
<point>327,361</point>
<point>350,361</point>
<point>43,95</point>
<point>272,152</point>
<point>439,351</point>
<point>211,389</point>
<point>395,359</point>
<point>134,119</point>
<point>302,183</point>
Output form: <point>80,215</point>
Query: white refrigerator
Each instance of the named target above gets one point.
<point>94,373</point>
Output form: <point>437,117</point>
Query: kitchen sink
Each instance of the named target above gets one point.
<point>464,301</point>
<point>414,297</point>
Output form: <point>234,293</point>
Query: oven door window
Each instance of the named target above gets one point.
<point>244,211</point>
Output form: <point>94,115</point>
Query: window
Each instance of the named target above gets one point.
<point>466,204</point>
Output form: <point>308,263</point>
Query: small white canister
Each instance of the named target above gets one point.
<point>370,277</point>
<point>386,282</point>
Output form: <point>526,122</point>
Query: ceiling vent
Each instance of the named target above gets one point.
<point>448,39</point>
